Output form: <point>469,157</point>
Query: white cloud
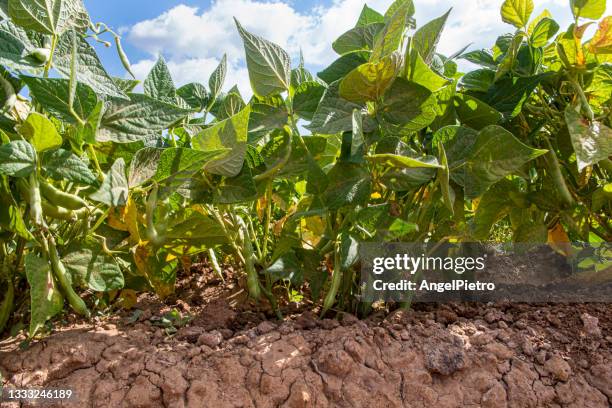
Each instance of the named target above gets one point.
<point>193,40</point>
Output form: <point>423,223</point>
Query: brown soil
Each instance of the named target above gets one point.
<point>459,355</point>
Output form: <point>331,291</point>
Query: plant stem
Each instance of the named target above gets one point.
<point>94,158</point>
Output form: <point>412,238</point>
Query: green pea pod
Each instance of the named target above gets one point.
<point>36,212</point>
<point>75,301</point>
<point>7,306</point>
<point>123,57</point>
<point>60,198</point>
<point>330,298</point>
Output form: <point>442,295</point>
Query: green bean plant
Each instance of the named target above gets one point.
<point>106,191</point>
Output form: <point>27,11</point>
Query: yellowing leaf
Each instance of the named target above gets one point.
<point>535,21</point>
<point>130,217</point>
<point>601,43</point>
<point>369,81</point>
<point>517,12</point>
<point>559,241</point>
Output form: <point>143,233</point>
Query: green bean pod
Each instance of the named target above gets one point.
<point>330,298</point>
<point>61,199</point>
<point>36,211</point>
<point>61,213</point>
<point>123,57</point>
<point>215,263</point>
<point>554,169</point>
<point>75,301</point>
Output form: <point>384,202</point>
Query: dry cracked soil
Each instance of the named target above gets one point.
<point>453,355</point>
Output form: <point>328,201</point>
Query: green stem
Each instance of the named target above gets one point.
<point>49,63</point>
<point>94,158</point>
<point>264,251</point>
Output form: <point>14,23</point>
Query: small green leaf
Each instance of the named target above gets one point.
<point>592,142</point>
<point>420,73</point>
<point>195,95</point>
<point>306,99</point>
<point>64,165</point>
<point>90,267</point>
<point>343,65</point>
<point>496,153</point>
<point>217,78</point>
<point>517,12</point>
<point>230,134</point>
<point>158,84</point>
<point>480,57</point>
<point>114,189</point>
<point>543,31</point>
<point>45,299</point>
<point>349,185</point>
<point>426,38</point>
<point>368,16</point>
<point>369,81</point>
<point>17,158</point>
<point>268,64</point>
<point>40,132</point>
<point>357,39</point>
<point>10,214</point>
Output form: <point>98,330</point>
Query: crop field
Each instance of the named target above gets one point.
<point>115,192</point>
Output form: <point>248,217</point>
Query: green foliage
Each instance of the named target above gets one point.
<point>105,189</point>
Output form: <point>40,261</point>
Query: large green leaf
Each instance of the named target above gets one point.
<point>196,228</point>
<point>408,106</point>
<point>237,189</point>
<point>268,64</point>
<point>496,153</point>
<point>88,68</point>
<point>517,12</point>
<point>158,84</point>
<point>397,4</point>
<point>40,132</point>
<point>591,9</point>
<point>144,165</point>
<point>368,82</point>
<point>493,206</point>
<point>475,113</point>
<point>17,158</point>
<point>369,16</point>
<point>90,267</point>
<point>16,47</point>
<point>543,31</point>
<point>357,39</point>
<point>306,99</point>
<point>126,121</point>
<point>426,38</point>
<point>592,142</point>
<point>417,71</point>
<point>114,190</point>
<point>45,299</point>
<point>64,165</point>
<point>479,80</point>
<point>49,16</point>
<point>230,134</point>
<point>600,88</point>
<point>480,57</point>
<point>177,165</point>
<point>53,94</point>
<point>349,185</point>
<point>391,36</point>
<point>195,95</point>
<point>271,113</point>
<point>458,142</point>
<point>343,65</point>
<point>334,113</point>
<point>509,94</point>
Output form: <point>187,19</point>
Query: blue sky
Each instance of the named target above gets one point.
<point>193,34</point>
